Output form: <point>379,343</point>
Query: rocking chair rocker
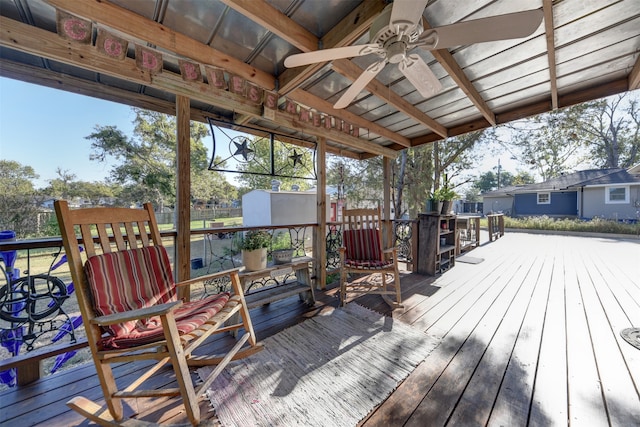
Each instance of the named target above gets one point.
<point>131,311</point>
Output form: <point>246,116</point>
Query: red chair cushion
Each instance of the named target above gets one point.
<point>137,278</point>
<point>189,316</point>
<point>363,246</point>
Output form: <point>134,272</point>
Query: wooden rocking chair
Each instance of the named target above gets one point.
<point>131,311</point>
<point>362,253</point>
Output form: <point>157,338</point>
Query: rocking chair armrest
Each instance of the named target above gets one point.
<point>208,277</point>
<point>392,250</point>
<point>141,313</point>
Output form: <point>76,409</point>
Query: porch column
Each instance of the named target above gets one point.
<point>386,207</point>
<point>183,188</point>
<point>320,242</point>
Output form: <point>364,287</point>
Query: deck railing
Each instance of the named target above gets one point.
<point>45,331</point>
<point>39,317</point>
<point>495,225</point>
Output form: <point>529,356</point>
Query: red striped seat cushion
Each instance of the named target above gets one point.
<point>363,246</point>
<point>138,278</point>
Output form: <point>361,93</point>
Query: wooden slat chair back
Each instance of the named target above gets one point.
<point>131,310</point>
<point>363,253</point>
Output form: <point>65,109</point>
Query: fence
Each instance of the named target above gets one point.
<point>201,215</point>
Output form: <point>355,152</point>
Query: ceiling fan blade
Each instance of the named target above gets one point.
<point>406,14</point>
<point>360,83</point>
<point>330,54</point>
<point>420,75</point>
<point>499,27</point>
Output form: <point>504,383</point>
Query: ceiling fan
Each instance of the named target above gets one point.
<point>398,29</point>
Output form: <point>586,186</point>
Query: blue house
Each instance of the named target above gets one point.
<point>612,193</point>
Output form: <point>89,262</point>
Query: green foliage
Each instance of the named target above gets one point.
<point>66,186</point>
<point>488,181</point>
<point>18,204</point>
<point>360,180</point>
<point>596,225</point>
<point>212,187</point>
<point>548,142</point>
<point>604,133</point>
<point>444,194</point>
<point>146,163</point>
<point>255,239</point>
<point>611,129</point>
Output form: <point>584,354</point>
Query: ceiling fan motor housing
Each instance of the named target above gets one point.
<point>380,31</point>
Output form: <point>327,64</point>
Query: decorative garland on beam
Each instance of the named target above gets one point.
<point>80,30</point>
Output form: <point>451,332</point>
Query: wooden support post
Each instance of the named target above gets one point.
<point>320,238</point>
<point>183,189</point>
<point>386,188</point>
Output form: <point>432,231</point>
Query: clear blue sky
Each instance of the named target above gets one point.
<point>46,129</point>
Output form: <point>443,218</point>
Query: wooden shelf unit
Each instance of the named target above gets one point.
<point>436,243</point>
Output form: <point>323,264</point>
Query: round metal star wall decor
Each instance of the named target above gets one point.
<point>260,152</point>
<point>297,158</point>
<point>242,147</point>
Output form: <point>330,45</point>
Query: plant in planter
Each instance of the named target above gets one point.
<point>445,195</point>
<point>254,249</point>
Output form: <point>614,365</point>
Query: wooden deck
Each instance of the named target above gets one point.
<point>530,336</point>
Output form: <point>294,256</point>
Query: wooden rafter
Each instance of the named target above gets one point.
<point>273,20</point>
<point>352,71</point>
<point>128,23</point>
<point>634,76</point>
<point>344,33</point>
<point>56,80</point>
<point>444,57</point>
<point>547,7</point>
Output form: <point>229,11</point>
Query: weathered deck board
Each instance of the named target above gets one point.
<point>530,336</point>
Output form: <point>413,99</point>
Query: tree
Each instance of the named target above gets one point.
<point>548,143</point>
<point>360,180</point>
<point>611,131</point>
<point>287,160</point>
<point>604,133</point>
<point>18,202</point>
<point>61,187</point>
<point>147,161</point>
<point>212,187</point>
<point>523,178</point>
<point>425,168</point>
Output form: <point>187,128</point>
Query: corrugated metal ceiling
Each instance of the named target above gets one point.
<point>595,49</point>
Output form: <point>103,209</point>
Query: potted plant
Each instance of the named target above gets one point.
<point>254,249</point>
<point>445,195</point>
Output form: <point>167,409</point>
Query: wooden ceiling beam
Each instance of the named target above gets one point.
<point>600,90</point>
<point>127,22</point>
<point>352,71</point>
<point>55,80</point>
<point>634,76</point>
<point>444,57</point>
<point>267,16</point>
<point>348,30</point>
<point>320,104</point>
<point>26,38</point>
<point>547,8</point>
